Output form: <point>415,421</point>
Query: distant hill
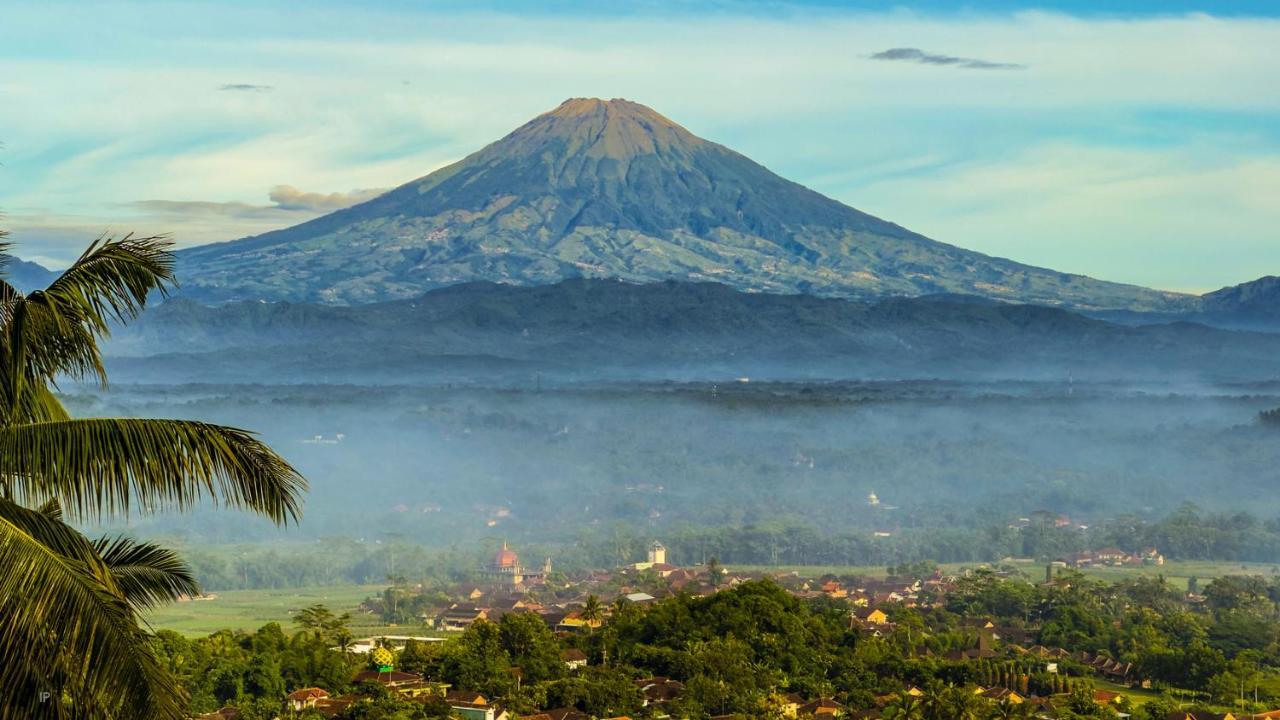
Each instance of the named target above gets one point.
<point>612,189</point>
<point>600,328</point>
<point>25,275</point>
<point>1253,306</point>
<point>1258,300</point>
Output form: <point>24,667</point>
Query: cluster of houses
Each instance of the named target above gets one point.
<point>1105,667</point>
<point>513,588</point>
<point>410,686</point>
<point>656,691</point>
<point>1111,557</point>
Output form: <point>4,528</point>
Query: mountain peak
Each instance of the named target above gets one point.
<point>616,129</point>
<point>577,107</point>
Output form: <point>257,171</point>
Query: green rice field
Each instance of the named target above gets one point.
<point>251,609</point>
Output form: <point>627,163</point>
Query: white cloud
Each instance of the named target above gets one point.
<point>289,197</point>
<point>196,221</point>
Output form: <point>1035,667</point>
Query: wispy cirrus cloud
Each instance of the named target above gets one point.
<point>287,201</point>
<point>916,55</point>
<point>246,87</point>
<point>205,208</point>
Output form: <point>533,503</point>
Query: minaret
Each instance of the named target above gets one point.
<point>657,553</point>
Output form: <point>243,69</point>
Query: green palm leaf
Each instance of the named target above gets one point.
<point>110,282</point>
<point>72,646</point>
<point>55,331</point>
<point>108,465</point>
<point>146,574</point>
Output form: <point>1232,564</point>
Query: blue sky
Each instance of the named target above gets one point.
<point>1140,146</point>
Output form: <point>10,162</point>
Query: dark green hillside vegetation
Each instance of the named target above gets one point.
<point>742,649</point>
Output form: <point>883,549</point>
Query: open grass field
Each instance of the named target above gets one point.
<point>1137,696</point>
<point>251,609</point>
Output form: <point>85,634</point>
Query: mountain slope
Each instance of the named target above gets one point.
<point>600,328</point>
<point>613,189</point>
<point>25,275</point>
<point>1251,306</point>
<point>1257,299</point>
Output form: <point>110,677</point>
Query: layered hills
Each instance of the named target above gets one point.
<point>587,329</point>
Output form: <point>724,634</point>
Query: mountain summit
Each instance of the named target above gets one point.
<point>598,188</point>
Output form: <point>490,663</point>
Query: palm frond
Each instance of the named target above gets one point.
<point>38,345</point>
<point>34,403</point>
<point>110,281</point>
<point>71,645</point>
<point>147,575</point>
<point>51,509</point>
<point>108,465</point>
<point>54,331</point>
<point>67,637</point>
<point>9,295</point>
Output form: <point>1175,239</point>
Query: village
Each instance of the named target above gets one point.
<point>1008,666</point>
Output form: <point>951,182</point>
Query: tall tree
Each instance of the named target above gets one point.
<point>71,641</point>
<point>905,707</point>
<point>592,611</point>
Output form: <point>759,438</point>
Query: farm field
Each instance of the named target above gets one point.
<point>251,609</point>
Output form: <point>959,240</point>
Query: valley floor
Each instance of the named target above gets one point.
<point>250,609</point>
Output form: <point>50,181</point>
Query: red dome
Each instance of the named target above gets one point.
<point>505,558</point>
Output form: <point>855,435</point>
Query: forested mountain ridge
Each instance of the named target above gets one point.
<point>581,327</point>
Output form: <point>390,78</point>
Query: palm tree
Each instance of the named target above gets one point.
<point>71,639</point>
<point>943,702</point>
<point>963,704</point>
<point>1007,709</point>
<point>592,611</point>
<point>906,707</point>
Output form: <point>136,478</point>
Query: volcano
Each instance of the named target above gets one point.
<point>612,189</point>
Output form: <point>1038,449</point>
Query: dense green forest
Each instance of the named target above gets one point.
<point>738,650</point>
